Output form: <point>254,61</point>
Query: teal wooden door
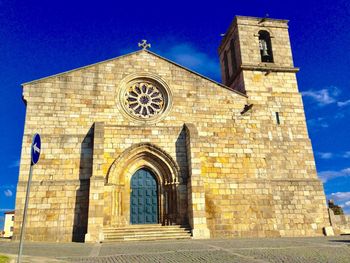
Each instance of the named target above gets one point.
<point>143,199</point>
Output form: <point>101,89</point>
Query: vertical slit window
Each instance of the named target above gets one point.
<point>233,57</point>
<point>278,118</point>
<point>227,74</point>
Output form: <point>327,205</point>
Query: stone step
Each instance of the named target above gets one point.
<point>146,232</point>
<point>145,226</point>
<point>140,237</point>
<point>159,229</point>
<point>140,225</point>
<point>147,238</point>
<point>173,233</point>
<point>149,231</point>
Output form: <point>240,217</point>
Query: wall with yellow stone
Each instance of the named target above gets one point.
<point>238,174</point>
<point>117,140</point>
<point>284,150</point>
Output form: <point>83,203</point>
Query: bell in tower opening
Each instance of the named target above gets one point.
<point>265,46</point>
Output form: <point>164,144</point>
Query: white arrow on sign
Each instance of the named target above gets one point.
<point>36,149</point>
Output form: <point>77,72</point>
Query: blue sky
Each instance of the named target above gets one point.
<point>41,38</point>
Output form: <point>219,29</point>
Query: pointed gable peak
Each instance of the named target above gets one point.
<point>144,51</point>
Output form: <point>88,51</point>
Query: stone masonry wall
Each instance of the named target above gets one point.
<point>69,104</point>
<point>340,223</point>
<point>240,156</point>
<point>119,139</point>
<point>59,193</point>
<point>284,148</point>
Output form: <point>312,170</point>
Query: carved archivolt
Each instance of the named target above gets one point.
<point>139,156</point>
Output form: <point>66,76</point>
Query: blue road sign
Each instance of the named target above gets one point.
<point>35,154</point>
<point>36,148</point>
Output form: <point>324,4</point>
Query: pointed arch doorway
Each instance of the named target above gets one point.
<point>143,198</point>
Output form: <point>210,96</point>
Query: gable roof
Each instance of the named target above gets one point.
<point>132,53</point>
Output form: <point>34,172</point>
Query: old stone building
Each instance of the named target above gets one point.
<point>139,139</point>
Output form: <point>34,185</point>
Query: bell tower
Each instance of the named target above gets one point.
<point>254,45</point>
<point>256,59</point>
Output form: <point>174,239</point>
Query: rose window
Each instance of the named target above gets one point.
<point>144,100</point>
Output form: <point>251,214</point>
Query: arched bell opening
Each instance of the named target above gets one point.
<point>265,46</point>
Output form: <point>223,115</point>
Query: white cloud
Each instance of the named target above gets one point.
<point>343,103</point>
<point>339,115</point>
<point>6,209</point>
<point>7,186</point>
<point>323,96</point>
<point>327,96</point>
<point>340,196</point>
<point>329,155</point>
<point>342,199</point>
<point>8,193</point>
<point>346,154</point>
<point>325,155</point>
<point>316,123</point>
<point>189,56</point>
<point>329,175</point>
<point>14,164</point>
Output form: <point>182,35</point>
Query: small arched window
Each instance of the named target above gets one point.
<point>233,57</point>
<point>265,46</point>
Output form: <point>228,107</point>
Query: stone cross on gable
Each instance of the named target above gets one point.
<point>144,44</point>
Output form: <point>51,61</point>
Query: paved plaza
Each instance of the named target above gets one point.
<point>322,249</point>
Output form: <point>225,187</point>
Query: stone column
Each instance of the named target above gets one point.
<point>96,202</point>
<point>195,186</point>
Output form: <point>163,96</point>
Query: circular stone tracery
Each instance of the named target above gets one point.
<point>144,100</point>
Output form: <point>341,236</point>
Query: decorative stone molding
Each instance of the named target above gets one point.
<point>144,98</point>
<point>163,167</point>
<point>147,151</point>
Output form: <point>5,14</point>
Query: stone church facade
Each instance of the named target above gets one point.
<point>139,139</point>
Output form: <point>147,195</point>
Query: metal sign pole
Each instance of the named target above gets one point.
<point>35,154</point>
<point>25,214</point>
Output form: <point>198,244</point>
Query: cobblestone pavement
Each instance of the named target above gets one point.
<point>321,249</point>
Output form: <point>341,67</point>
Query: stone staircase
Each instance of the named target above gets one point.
<point>148,232</point>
